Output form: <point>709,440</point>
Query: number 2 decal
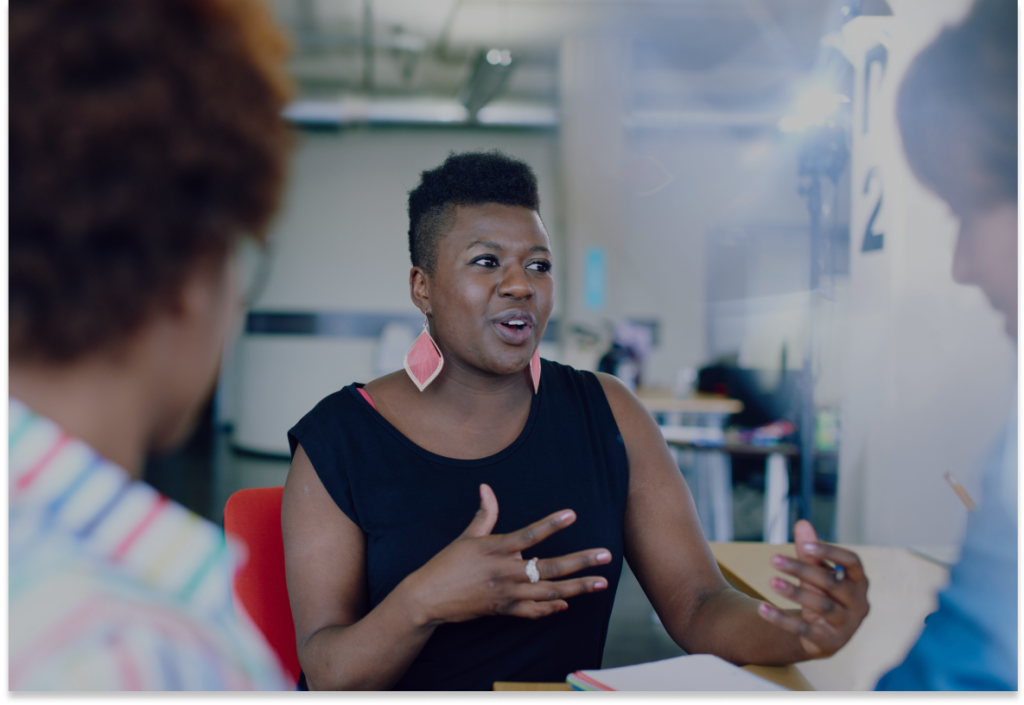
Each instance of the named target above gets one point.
<point>873,240</point>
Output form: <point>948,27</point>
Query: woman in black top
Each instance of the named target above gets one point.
<point>389,586</point>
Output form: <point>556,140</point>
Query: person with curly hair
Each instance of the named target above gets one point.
<point>957,111</point>
<point>401,571</point>
<point>146,146</point>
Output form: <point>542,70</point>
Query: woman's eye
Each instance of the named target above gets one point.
<point>539,266</point>
<point>488,261</point>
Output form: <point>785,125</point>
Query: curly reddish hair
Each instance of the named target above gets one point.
<point>145,137</point>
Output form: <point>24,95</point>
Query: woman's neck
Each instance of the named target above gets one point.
<point>460,382</point>
<point>465,416</point>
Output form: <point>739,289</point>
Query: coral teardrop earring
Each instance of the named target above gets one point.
<point>423,361</point>
<point>535,370</point>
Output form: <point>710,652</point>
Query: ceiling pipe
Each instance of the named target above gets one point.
<point>490,73</point>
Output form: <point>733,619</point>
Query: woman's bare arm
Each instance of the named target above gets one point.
<point>344,646</point>
<point>340,645</point>
<point>666,549</point>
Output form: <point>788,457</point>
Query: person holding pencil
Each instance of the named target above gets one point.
<point>957,110</point>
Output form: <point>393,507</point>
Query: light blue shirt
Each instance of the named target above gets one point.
<point>970,642</point>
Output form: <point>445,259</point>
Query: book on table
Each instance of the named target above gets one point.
<point>701,672</point>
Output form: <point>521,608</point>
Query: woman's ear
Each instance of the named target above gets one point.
<point>419,289</point>
<point>204,290</point>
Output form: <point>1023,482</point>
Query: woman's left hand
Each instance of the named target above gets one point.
<point>833,600</point>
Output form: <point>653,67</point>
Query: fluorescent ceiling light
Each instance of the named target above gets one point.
<point>518,115</point>
<point>425,111</point>
<point>499,56</point>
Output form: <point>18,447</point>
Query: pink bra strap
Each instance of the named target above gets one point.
<point>367,398</point>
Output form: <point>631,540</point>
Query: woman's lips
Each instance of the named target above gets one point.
<point>514,327</point>
<point>515,331</point>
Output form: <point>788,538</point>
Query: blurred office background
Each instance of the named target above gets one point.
<point>724,186</point>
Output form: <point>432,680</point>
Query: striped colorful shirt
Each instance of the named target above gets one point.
<point>112,586</point>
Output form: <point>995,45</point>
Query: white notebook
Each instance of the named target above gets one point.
<point>700,672</point>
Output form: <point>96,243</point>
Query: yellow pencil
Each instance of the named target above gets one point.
<point>960,491</point>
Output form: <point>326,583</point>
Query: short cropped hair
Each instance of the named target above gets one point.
<point>145,138</point>
<point>469,178</point>
<point>957,107</point>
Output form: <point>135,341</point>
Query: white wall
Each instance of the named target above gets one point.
<point>929,371</point>
<point>720,180</point>
<point>655,242</point>
<point>341,240</point>
<point>340,244</point>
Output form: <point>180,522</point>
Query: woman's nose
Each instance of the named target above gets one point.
<point>515,285</point>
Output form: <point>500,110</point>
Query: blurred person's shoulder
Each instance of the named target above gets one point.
<point>76,624</point>
<point>113,586</point>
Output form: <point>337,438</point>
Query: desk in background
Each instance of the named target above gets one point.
<point>702,411</point>
<point>697,426</point>
<point>695,429</point>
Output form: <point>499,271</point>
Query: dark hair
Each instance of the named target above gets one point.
<point>470,178</point>
<point>145,138</point>
<point>957,107</point>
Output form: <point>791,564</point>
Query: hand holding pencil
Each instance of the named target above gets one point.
<point>832,593</point>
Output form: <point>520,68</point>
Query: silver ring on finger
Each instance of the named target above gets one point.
<point>531,570</point>
<point>838,573</point>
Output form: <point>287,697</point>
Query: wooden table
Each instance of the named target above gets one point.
<point>902,592</point>
<point>505,685</point>
<point>700,404</point>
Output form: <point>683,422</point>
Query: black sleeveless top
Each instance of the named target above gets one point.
<point>411,503</point>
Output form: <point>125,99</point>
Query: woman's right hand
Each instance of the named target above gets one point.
<point>481,574</point>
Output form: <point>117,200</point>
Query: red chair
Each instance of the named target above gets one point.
<point>254,515</point>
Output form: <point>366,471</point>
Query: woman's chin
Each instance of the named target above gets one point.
<point>507,365</point>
